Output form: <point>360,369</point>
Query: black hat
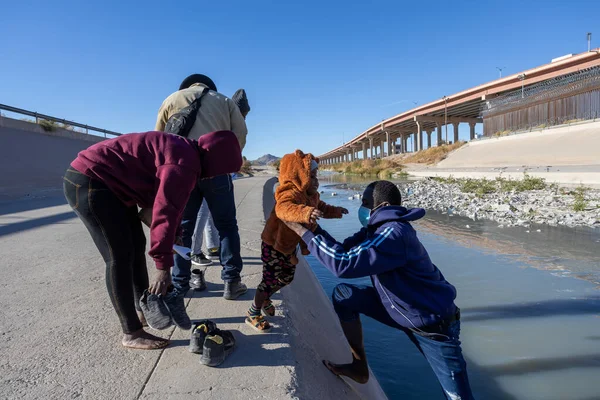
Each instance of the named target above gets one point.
<point>198,78</point>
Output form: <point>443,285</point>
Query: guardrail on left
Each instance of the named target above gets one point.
<point>65,122</point>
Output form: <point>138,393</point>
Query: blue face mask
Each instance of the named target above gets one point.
<point>363,215</point>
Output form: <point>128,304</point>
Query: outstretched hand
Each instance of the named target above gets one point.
<point>343,210</point>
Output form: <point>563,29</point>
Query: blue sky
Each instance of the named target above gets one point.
<point>314,71</point>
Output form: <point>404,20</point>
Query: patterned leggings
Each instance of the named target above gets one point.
<point>278,270</point>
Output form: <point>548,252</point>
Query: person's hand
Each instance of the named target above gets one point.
<point>315,215</point>
<point>343,210</point>
<point>296,227</point>
<point>160,282</point>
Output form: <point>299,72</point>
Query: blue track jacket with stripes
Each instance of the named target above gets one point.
<point>412,289</point>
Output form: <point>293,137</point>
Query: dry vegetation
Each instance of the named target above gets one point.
<point>432,155</point>
<point>382,168</point>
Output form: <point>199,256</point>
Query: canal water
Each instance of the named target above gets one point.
<point>530,304</point>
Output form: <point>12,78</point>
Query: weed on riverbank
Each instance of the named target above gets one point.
<point>383,169</point>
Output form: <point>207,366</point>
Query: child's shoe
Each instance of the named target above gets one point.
<point>268,308</point>
<point>258,323</point>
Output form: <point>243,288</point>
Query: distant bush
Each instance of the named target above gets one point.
<point>246,168</point>
<point>48,126</point>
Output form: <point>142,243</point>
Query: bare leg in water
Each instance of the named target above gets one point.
<point>358,369</point>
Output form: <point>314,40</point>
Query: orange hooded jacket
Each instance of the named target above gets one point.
<point>293,204</point>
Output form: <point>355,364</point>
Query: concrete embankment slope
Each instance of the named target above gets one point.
<point>61,338</point>
<point>32,160</point>
<point>565,154</point>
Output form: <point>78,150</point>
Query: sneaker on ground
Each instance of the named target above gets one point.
<point>200,259</point>
<point>217,346</point>
<point>233,290</point>
<point>214,254</point>
<point>199,332</point>
<point>176,304</point>
<point>197,281</point>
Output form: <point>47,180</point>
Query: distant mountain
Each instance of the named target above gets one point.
<point>267,159</point>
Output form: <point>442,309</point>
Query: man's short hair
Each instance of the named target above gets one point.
<point>385,191</point>
<point>198,78</point>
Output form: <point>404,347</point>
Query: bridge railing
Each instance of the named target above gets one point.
<point>63,121</point>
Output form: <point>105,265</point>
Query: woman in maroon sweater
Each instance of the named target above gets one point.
<point>153,170</point>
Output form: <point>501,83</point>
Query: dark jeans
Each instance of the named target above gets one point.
<point>443,352</point>
<point>118,235</point>
<point>218,192</point>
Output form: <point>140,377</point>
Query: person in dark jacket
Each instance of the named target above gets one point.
<point>152,170</point>
<point>408,291</point>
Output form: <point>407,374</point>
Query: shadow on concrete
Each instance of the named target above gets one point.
<point>593,337</point>
<point>212,290</point>
<point>31,203</point>
<point>589,305</point>
<point>216,290</point>
<point>253,262</point>
<point>35,223</point>
<point>179,343</point>
<point>260,349</point>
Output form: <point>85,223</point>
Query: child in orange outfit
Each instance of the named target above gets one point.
<point>297,200</point>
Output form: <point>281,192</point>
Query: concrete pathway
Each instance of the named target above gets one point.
<point>61,338</point>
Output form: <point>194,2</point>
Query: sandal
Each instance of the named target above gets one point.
<point>268,308</point>
<point>258,323</point>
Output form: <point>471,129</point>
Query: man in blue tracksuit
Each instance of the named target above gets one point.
<point>408,291</point>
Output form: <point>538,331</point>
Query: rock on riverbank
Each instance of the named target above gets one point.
<point>551,205</point>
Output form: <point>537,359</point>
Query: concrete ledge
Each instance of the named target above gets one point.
<point>33,161</point>
<point>316,336</point>
<point>58,132</point>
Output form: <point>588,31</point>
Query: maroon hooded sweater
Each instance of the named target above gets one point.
<point>159,170</point>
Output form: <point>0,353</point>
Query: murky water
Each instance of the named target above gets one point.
<point>530,305</point>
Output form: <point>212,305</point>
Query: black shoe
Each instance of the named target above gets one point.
<point>200,259</point>
<point>201,329</point>
<point>233,290</point>
<point>217,346</point>
<point>214,254</point>
<point>197,281</point>
<point>176,304</point>
<point>155,311</point>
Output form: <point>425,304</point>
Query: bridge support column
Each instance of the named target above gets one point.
<point>405,144</point>
<point>388,139</point>
<point>429,139</point>
<point>372,148</point>
<point>439,134</point>
<point>455,124</point>
<point>364,150</point>
<point>419,141</point>
<point>382,148</point>
<point>471,130</point>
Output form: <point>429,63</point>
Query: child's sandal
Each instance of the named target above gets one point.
<point>269,308</point>
<point>258,323</point>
